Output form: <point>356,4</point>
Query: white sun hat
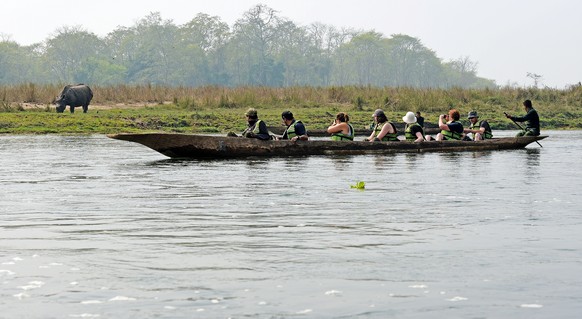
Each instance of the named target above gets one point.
<point>409,118</point>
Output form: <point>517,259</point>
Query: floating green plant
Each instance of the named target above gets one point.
<point>359,185</point>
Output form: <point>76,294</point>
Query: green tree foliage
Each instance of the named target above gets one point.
<point>261,49</point>
<point>71,55</point>
<point>20,64</point>
<point>206,37</point>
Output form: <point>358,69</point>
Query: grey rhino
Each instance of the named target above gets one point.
<point>74,95</point>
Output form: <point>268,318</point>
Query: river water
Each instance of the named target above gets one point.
<point>92,227</point>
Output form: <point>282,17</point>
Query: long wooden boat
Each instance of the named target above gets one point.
<point>204,146</point>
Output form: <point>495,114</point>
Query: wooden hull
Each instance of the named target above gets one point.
<point>202,146</point>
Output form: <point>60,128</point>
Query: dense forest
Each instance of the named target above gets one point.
<point>260,49</point>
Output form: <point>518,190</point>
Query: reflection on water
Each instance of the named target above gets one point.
<point>533,157</point>
<point>124,232</point>
<point>342,162</point>
<point>481,155</point>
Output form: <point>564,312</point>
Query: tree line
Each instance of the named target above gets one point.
<point>260,49</point>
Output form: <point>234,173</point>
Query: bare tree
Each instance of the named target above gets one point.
<point>535,77</point>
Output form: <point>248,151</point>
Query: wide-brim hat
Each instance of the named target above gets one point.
<point>378,112</point>
<point>472,114</point>
<point>251,112</point>
<point>409,118</point>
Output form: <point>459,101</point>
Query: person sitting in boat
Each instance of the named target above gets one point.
<point>531,119</point>
<point>480,129</point>
<point>419,119</point>
<point>452,130</point>
<point>256,128</point>
<point>412,130</point>
<point>341,129</point>
<point>295,129</point>
<point>383,130</point>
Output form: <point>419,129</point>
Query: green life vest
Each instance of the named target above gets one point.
<point>343,137</point>
<point>477,126</point>
<point>290,131</point>
<point>256,129</point>
<point>408,132</point>
<point>450,135</point>
<point>253,129</point>
<point>389,136</point>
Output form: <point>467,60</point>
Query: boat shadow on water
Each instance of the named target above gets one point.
<point>189,161</point>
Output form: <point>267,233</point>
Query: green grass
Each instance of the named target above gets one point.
<point>219,110</point>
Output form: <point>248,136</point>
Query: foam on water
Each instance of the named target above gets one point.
<point>122,298</point>
<point>531,306</point>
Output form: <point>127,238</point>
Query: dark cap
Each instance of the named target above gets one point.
<point>378,112</point>
<point>287,115</point>
<point>472,114</point>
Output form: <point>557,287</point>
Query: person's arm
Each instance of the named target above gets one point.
<point>337,127</point>
<point>442,124</point>
<point>524,118</point>
<point>385,130</point>
<point>419,137</point>
<point>300,137</point>
<point>301,133</point>
<point>480,130</point>
<point>371,137</point>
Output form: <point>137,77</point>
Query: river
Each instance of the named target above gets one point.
<point>92,227</point>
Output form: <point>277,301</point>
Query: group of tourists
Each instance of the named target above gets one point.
<point>383,130</point>
<point>257,128</point>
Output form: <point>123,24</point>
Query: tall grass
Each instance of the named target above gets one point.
<point>390,98</point>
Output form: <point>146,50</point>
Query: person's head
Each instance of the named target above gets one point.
<point>473,116</point>
<point>342,117</point>
<point>417,114</point>
<point>379,116</point>
<point>527,104</point>
<point>409,118</point>
<point>287,117</point>
<point>252,114</point>
<point>454,115</point>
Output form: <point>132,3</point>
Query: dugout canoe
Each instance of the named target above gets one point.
<point>204,146</point>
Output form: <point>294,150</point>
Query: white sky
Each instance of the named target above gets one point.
<point>508,38</point>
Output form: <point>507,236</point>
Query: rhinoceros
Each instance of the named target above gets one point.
<point>74,95</point>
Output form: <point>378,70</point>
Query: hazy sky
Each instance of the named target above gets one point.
<point>508,38</point>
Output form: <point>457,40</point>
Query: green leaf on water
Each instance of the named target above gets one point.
<point>359,185</point>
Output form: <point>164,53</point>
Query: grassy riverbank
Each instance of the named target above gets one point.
<point>27,108</point>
